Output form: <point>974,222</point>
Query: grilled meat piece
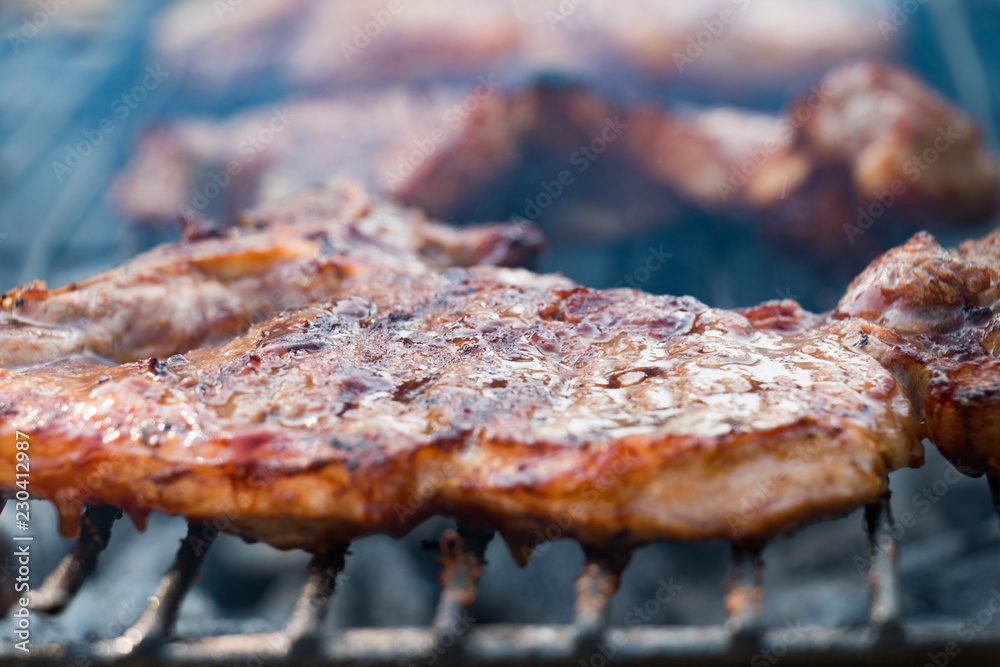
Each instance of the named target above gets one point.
<point>368,137</point>
<point>902,140</point>
<point>181,296</point>
<point>505,398</point>
<point>866,137</point>
<point>451,152</point>
<point>945,305</point>
<point>867,142</point>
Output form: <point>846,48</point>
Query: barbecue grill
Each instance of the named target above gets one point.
<point>64,244</point>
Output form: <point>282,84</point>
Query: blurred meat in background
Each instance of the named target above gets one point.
<point>577,163</point>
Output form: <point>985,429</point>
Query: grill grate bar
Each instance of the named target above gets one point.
<point>551,645</point>
<point>744,601</point>
<point>62,585</point>
<point>157,619</point>
<point>884,640</point>
<point>306,622</point>
<point>463,557</point>
<point>883,577</point>
<point>595,587</point>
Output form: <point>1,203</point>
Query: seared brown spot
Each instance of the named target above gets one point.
<point>411,389</point>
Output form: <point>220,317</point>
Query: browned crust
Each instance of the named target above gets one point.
<point>942,306</point>
<point>497,396</point>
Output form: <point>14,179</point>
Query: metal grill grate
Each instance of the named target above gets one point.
<point>885,640</point>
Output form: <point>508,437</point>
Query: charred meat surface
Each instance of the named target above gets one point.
<point>945,304</point>
<point>504,398</point>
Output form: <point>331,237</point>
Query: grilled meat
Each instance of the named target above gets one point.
<point>866,137</point>
<point>367,137</point>
<point>451,152</point>
<point>868,141</point>
<point>944,305</point>
<point>901,139</point>
<point>204,290</point>
<point>507,399</point>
